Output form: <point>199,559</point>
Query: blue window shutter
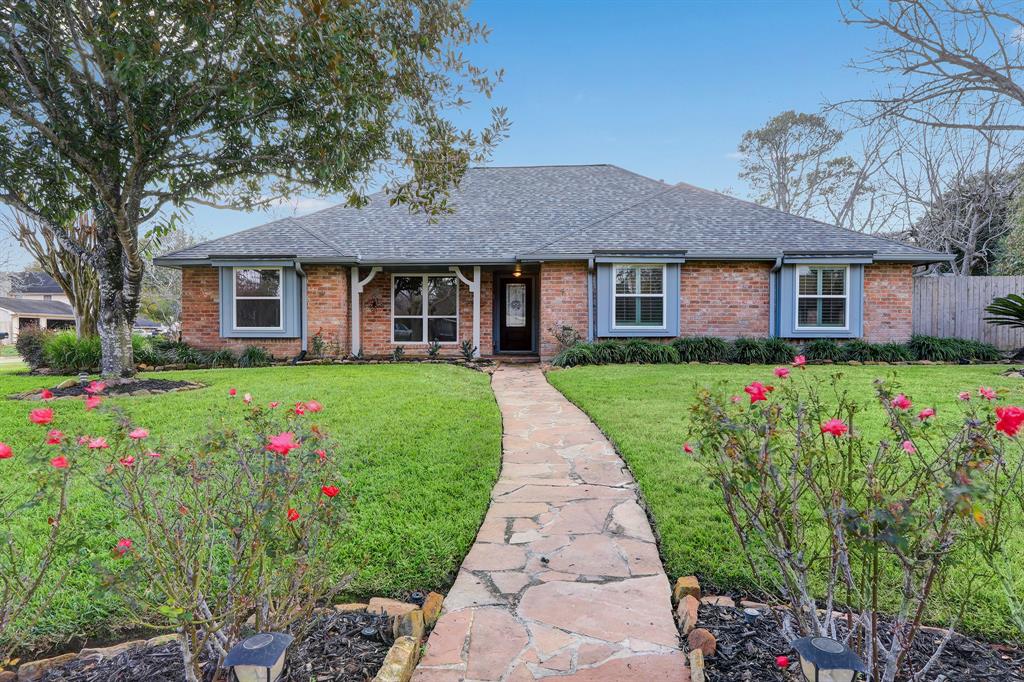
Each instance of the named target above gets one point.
<point>786,307</point>
<point>606,302</point>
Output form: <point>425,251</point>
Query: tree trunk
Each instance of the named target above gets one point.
<point>118,300</point>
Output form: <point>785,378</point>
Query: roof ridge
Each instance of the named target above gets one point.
<point>591,224</point>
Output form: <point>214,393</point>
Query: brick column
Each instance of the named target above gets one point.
<point>888,302</point>
<point>563,301</point>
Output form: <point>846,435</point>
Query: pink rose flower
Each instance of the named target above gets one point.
<point>986,393</point>
<point>95,387</point>
<point>54,437</point>
<point>41,415</point>
<point>99,443</point>
<point>964,395</point>
<point>60,462</point>
<point>5,451</point>
<point>782,372</point>
<point>138,434</point>
<point>926,413</point>
<point>687,448</point>
<point>908,447</point>
<point>799,361</point>
<point>123,546</point>
<point>757,391</point>
<point>313,406</point>
<point>282,443</point>
<point>92,402</point>
<point>834,427</point>
<point>46,394</point>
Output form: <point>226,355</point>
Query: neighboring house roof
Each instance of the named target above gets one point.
<point>546,212</point>
<point>145,323</point>
<point>34,283</point>
<point>27,306</point>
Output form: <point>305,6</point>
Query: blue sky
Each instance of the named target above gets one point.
<point>665,88</point>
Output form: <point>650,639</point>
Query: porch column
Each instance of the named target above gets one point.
<point>474,286</point>
<point>357,289</point>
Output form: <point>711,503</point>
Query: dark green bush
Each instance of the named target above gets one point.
<point>701,349</point>
<point>892,352</point>
<point>575,355</point>
<point>66,353</point>
<point>823,349</point>
<point>222,358</point>
<point>649,352</point>
<point>254,356</point>
<point>608,352</point>
<point>749,351</point>
<point>952,350</point>
<point>778,350</point>
<point>30,346</point>
<point>856,349</point>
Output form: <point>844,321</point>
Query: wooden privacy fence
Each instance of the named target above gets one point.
<point>953,306</point>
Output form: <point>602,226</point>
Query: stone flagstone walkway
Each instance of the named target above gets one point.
<point>564,579</point>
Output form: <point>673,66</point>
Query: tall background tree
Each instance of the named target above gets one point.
<point>67,267</point>
<point>161,287</point>
<point>134,111</point>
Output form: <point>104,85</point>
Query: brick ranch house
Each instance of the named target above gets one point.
<point>529,249</point>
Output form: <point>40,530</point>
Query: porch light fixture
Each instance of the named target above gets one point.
<point>826,660</point>
<point>259,658</point>
<point>518,271</point>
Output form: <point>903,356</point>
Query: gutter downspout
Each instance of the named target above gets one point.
<point>772,295</point>
<point>303,332</point>
<point>590,300</point>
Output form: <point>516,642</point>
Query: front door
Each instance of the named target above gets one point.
<point>515,314</point>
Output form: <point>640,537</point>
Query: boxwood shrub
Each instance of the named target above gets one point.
<point>702,349</point>
<point>823,349</point>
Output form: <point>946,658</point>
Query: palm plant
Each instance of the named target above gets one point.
<point>1006,311</point>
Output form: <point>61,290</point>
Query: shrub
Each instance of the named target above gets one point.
<point>797,471</point>
<point>434,349</point>
<point>892,352</point>
<point>952,350</point>
<point>397,353</point>
<point>252,517</point>
<point>222,358</point>
<point>468,350</point>
<point>254,356</point>
<point>574,356</point>
<point>749,351</point>
<point>609,352</point>
<point>858,350</point>
<point>565,335</point>
<point>823,349</point>
<point>778,350</point>
<point>701,349</point>
<point>647,352</point>
<point>66,353</point>
<point>30,346</point>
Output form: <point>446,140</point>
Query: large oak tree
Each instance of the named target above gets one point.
<point>136,110</point>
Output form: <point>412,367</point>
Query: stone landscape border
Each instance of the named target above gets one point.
<point>410,625</point>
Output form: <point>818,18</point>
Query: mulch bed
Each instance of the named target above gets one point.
<point>746,652</point>
<point>341,647</point>
<point>122,387</point>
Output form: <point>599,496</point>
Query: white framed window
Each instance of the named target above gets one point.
<point>257,299</point>
<point>823,297</point>
<point>638,296</point>
<point>424,308</point>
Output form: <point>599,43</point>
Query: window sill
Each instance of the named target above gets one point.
<point>657,332</point>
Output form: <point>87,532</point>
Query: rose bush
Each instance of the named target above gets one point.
<point>827,518</point>
<point>225,535</point>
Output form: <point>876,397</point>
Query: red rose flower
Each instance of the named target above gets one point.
<point>1009,419</point>
<point>293,515</point>
<point>901,402</point>
<point>282,443</point>
<point>687,448</point>
<point>95,387</point>
<point>782,661</point>
<point>92,402</point>
<point>41,415</point>
<point>5,451</point>
<point>59,462</point>
<point>128,461</point>
<point>329,490</point>
<point>321,454</point>
<point>835,427</point>
<point>54,437</point>
<point>46,394</point>
<point>757,391</point>
<point>123,546</point>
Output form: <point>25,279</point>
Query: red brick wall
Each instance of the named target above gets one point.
<point>375,317</point>
<point>327,310</point>
<point>727,299</point>
<point>563,301</point>
<point>888,302</point>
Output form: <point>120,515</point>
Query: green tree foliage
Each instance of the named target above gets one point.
<point>137,110</point>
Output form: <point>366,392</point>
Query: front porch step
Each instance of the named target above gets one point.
<point>513,359</point>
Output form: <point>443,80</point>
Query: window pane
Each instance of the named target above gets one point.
<point>833,312</point>
<point>808,278</point>
<point>408,329</point>
<point>833,282</point>
<point>252,282</point>
<point>408,296</point>
<point>650,312</point>
<point>807,312</point>
<point>625,281</point>
<point>441,298</point>
<point>442,329</point>
<point>651,280</point>
<point>625,311</point>
<point>257,313</point>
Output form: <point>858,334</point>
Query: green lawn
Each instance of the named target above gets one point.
<point>421,448</point>
<point>8,350</point>
<point>643,409</point>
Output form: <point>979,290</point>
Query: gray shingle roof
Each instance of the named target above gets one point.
<point>504,214</point>
<point>26,306</point>
<point>34,283</point>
